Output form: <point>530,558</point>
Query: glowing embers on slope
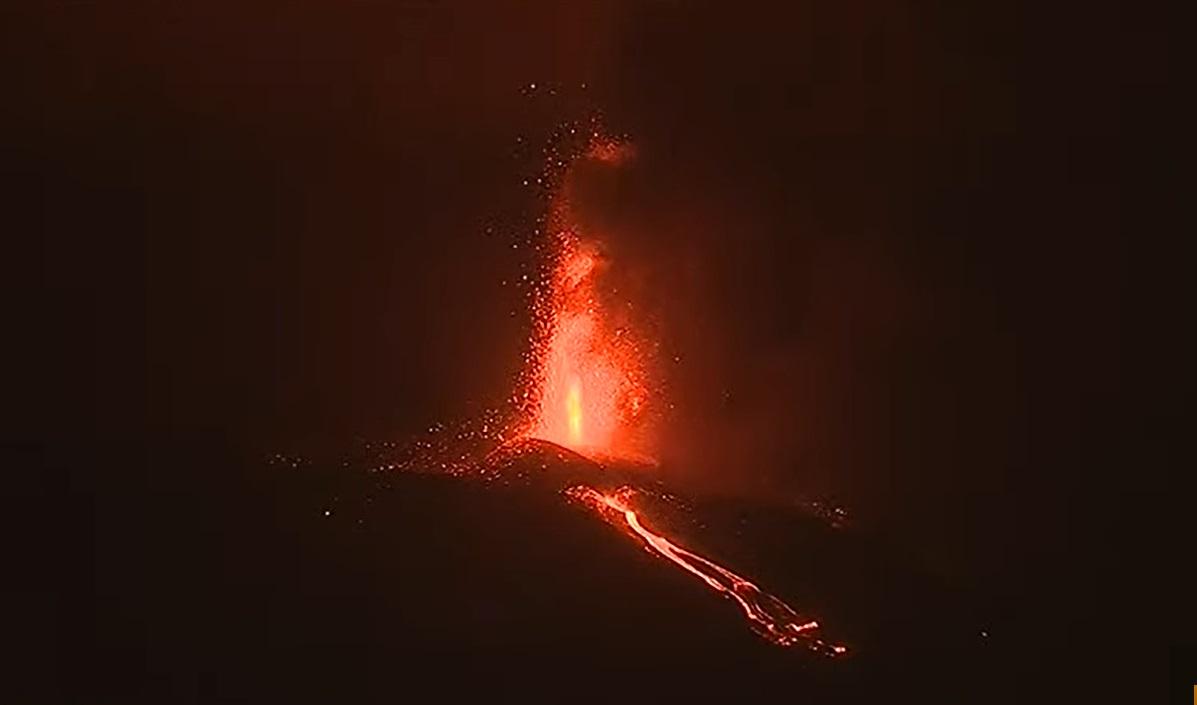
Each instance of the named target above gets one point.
<point>767,615</point>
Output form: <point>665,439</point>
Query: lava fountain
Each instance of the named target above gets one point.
<point>588,378</point>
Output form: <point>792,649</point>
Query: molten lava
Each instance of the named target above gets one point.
<point>573,408</point>
<point>770,617</point>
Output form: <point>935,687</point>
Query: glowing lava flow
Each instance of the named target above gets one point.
<point>770,617</point>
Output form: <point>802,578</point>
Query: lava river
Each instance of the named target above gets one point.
<point>768,616</point>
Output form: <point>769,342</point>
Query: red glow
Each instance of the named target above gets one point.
<point>770,617</point>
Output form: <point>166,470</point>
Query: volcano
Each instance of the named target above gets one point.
<point>537,550</point>
<point>540,547</point>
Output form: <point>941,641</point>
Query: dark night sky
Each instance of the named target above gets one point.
<point>891,243</point>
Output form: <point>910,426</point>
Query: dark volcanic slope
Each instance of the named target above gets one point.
<point>474,589</point>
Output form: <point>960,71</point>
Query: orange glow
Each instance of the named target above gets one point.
<point>769,617</point>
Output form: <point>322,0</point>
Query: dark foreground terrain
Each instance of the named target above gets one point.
<point>317,583</point>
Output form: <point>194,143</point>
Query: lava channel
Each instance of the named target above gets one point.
<point>768,616</point>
